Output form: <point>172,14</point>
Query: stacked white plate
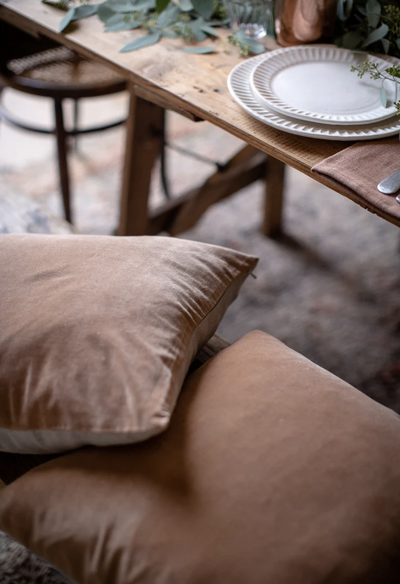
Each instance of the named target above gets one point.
<point>310,90</point>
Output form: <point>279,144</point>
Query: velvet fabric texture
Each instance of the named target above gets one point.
<point>272,471</point>
<point>97,333</point>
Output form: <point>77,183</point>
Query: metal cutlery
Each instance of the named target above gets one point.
<point>390,184</point>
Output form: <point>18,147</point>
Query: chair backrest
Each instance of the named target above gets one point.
<point>58,72</point>
<point>15,43</point>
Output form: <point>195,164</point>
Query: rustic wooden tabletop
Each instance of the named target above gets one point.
<point>165,76</point>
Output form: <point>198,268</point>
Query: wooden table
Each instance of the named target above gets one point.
<point>162,77</point>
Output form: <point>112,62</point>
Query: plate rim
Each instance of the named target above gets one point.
<point>304,128</point>
<point>329,119</point>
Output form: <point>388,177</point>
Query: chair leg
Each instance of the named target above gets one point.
<point>1,91</point>
<point>62,148</point>
<point>163,163</point>
<point>76,123</point>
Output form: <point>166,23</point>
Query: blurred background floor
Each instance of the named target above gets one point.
<point>329,288</point>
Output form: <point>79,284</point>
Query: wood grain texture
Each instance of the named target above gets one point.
<point>274,197</point>
<point>145,127</point>
<point>195,84</point>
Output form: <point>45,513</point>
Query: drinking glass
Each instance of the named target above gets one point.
<point>254,17</point>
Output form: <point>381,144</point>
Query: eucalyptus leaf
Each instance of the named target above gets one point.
<point>340,10</point>
<point>120,22</point>
<point>145,5</point>
<point>398,43</point>
<point>56,3</point>
<point>373,12</point>
<point>141,42</point>
<point>386,45</point>
<point>373,6</point>
<point>241,35</point>
<point>104,12</point>
<point>115,19</point>
<point>362,10</point>
<point>131,25</point>
<point>383,96</point>
<point>204,7</point>
<point>198,34</point>
<point>209,30</point>
<point>68,18</point>
<point>186,5</point>
<point>173,11</point>
<point>199,50</point>
<point>376,35</point>
<point>168,15</point>
<point>351,39</point>
<point>373,19</point>
<point>121,6</point>
<point>169,34</point>
<point>255,47</point>
<point>85,11</point>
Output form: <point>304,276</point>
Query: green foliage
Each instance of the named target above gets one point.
<point>245,44</point>
<point>391,73</point>
<point>192,20</point>
<point>144,41</point>
<point>369,25</point>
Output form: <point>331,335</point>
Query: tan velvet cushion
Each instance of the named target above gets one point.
<point>97,333</point>
<point>272,471</point>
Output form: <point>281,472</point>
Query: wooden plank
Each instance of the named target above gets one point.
<point>145,128</point>
<point>242,170</point>
<point>179,215</point>
<point>152,97</point>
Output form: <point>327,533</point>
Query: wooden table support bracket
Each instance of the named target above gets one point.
<point>144,141</point>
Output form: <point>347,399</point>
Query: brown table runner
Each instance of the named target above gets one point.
<point>359,168</point>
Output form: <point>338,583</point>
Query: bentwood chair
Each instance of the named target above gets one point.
<point>41,67</point>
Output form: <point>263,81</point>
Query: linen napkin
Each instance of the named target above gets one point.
<point>358,170</point>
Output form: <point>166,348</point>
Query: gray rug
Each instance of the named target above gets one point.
<point>20,566</point>
<point>329,288</point>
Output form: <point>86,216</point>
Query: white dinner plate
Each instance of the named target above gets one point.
<point>239,87</point>
<point>315,83</point>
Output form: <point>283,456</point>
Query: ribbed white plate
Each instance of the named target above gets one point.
<point>239,87</point>
<point>315,83</point>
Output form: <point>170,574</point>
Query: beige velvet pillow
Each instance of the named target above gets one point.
<point>97,333</point>
<point>272,471</point>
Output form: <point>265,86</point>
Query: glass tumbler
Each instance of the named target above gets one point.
<point>254,17</point>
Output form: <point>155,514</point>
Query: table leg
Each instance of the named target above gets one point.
<point>274,185</point>
<point>143,145</point>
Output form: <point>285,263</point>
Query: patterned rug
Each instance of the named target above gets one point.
<point>329,288</point>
